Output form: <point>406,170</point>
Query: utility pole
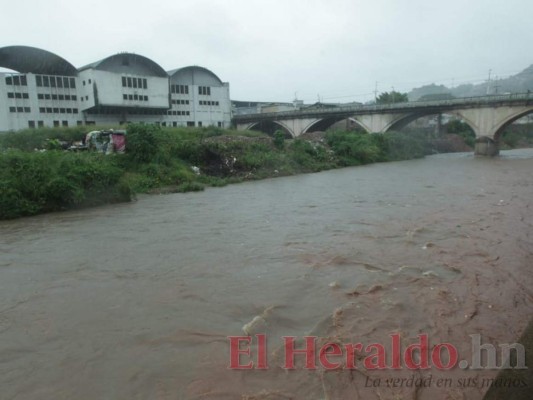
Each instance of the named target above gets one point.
<point>488,83</point>
<point>376,92</point>
<point>496,86</point>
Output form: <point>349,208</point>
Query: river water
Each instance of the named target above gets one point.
<point>136,301</point>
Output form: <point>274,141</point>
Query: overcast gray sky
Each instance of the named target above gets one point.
<point>272,50</point>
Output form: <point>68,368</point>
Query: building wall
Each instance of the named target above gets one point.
<point>110,97</point>
<point>32,104</point>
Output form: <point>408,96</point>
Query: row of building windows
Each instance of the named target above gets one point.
<point>180,101</point>
<point>43,96</point>
<point>173,112</point>
<point>19,109</point>
<point>55,81</point>
<point>56,110</point>
<point>11,95</point>
<point>17,80</point>
<point>40,124</point>
<point>204,90</point>
<point>136,83</point>
<point>180,89</point>
<point>135,97</point>
<point>208,103</point>
<point>46,96</point>
<point>189,123</point>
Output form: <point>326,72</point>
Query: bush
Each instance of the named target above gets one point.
<point>38,182</point>
<point>353,148</point>
<point>142,145</point>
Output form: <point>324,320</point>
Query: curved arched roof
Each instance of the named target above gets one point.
<point>190,73</point>
<point>128,63</point>
<point>25,59</point>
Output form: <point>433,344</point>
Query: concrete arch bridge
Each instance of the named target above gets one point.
<point>486,115</point>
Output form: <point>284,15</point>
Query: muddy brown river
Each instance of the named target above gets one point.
<point>136,301</point>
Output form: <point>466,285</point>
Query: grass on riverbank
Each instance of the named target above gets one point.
<point>162,160</point>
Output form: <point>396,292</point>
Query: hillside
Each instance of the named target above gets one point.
<point>519,83</point>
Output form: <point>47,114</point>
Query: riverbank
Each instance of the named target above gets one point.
<point>35,177</point>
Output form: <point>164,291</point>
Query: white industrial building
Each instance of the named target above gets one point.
<point>46,90</point>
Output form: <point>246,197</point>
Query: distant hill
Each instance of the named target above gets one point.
<point>519,83</point>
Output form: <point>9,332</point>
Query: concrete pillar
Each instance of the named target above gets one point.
<point>486,146</point>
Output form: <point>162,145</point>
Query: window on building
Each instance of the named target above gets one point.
<point>61,96</point>
<point>130,84</point>
<point>10,95</point>
<point>74,97</point>
<point>124,97</point>
<point>174,124</point>
<point>31,124</point>
<point>134,81</point>
<point>49,110</point>
<point>27,109</point>
<point>54,97</point>
<point>12,109</point>
<point>52,81</point>
<point>40,96</point>
<point>20,109</point>
<point>39,80</point>
<point>64,123</point>
<point>66,83</point>
<point>16,80</point>
<point>40,124</point>
<point>74,110</point>
<point>130,97</point>
<point>72,83</point>
<point>145,83</point>
<point>219,124</point>
<point>199,123</point>
<point>56,124</point>
<point>59,82</point>
<point>56,110</point>
<point>23,80</point>
<point>47,96</point>
<point>42,109</point>
<point>9,80</point>
<point>204,90</point>
<point>79,123</point>
<point>190,123</point>
<point>145,98</point>
<point>46,81</point>
<point>124,82</point>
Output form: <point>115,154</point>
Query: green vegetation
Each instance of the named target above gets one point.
<point>171,160</point>
<point>392,97</point>
<point>516,136</point>
<point>462,129</point>
<point>36,182</point>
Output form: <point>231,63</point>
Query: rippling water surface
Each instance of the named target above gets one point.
<point>135,301</point>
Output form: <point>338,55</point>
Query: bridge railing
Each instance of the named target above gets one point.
<point>462,101</point>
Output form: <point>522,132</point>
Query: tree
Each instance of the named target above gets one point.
<point>392,97</point>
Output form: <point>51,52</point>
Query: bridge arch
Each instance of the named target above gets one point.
<point>404,120</point>
<point>269,127</point>
<point>500,128</point>
<point>324,124</point>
